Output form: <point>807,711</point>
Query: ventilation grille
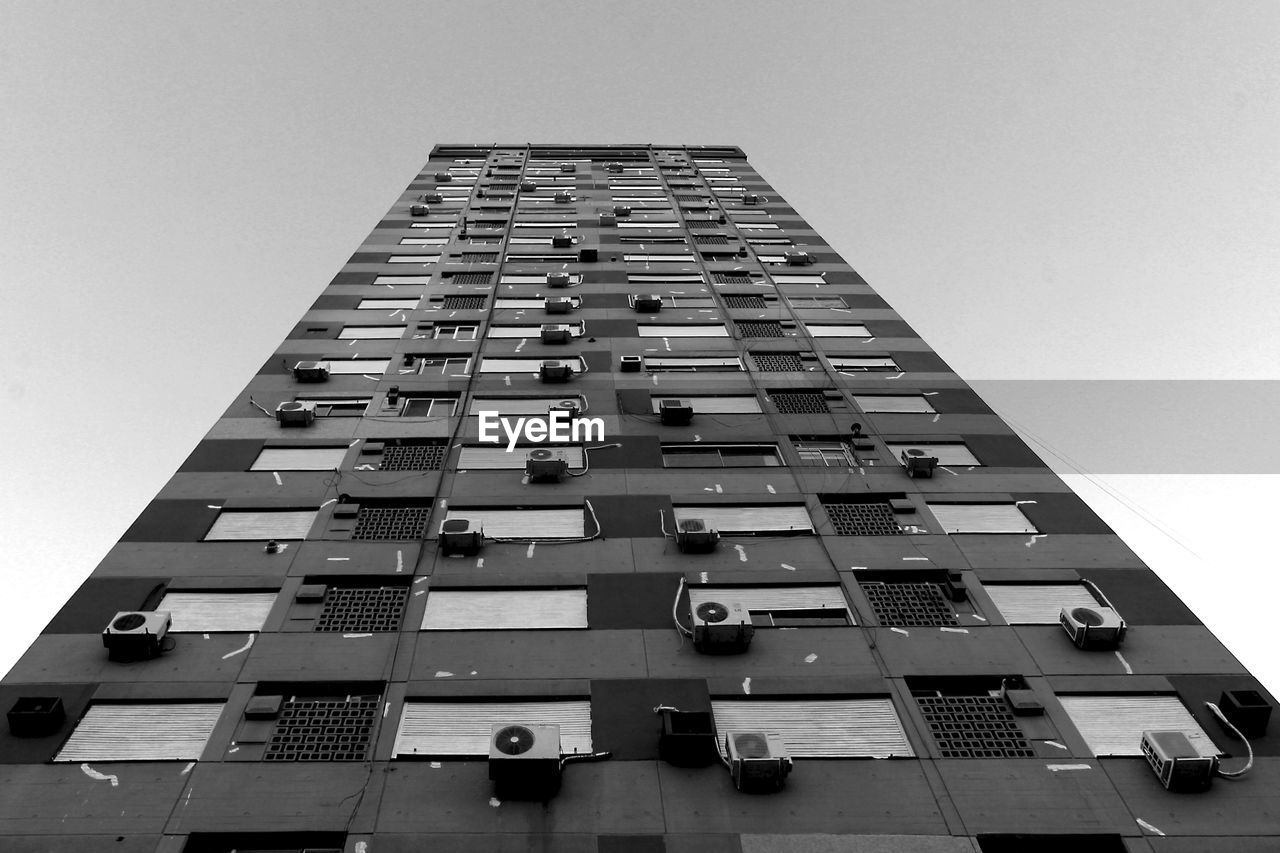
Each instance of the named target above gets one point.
<point>731,277</point>
<point>479,257</point>
<point>710,239</point>
<point>779,362</point>
<point>362,609</point>
<point>469,278</point>
<point>412,457</point>
<point>324,729</point>
<point>464,303</point>
<point>760,329</point>
<point>702,224</point>
<point>910,605</point>
<point>974,727</point>
<point>741,301</point>
<point>500,188</point>
<point>688,197</point>
<point>392,522</point>
<point>799,402</point>
<point>862,519</point>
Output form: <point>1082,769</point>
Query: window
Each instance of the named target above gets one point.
<point>720,456</point>
<point>837,330</point>
<point>525,365</point>
<point>153,731</point>
<point>749,519</point>
<point>423,241</point>
<point>446,365</point>
<point>217,611</point>
<point>394,280</point>
<point>542,523</point>
<point>455,332</point>
<point>726,405</point>
<point>1037,604</point>
<point>650,279</point>
<point>781,606</point>
<point>1113,725</point>
<point>895,403</point>
<point>533,302</point>
<point>249,525</point>
<point>533,278</point>
<point>692,365</point>
<point>429,407</point>
<point>541,259</point>
<point>770,241</point>
<point>861,363</point>
<point>299,458</point>
<point>534,331</point>
<point>835,454</point>
<point>652,238</point>
<point>688,330</point>
<point>653,258</point>
<point>496,457</point>
<point>981,518</point>
<point>436,226</point>
<point>947,453</point>
<point>463,729</point>
<point>388,304</point>
<point>370,333</point>
<point>358,366</point>
<point>549,223</point>
<point>505,609</point>
<point>757,226</point>
<point>648,224</point>
<point>522,405</point>
<point>819,728</point>
<point>413,259</point>
<point>337,407</point>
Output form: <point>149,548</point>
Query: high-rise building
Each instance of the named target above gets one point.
<point>598,505</point>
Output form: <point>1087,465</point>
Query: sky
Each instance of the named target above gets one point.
<point>1075,204</point>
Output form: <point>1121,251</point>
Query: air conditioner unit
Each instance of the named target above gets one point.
<point>418,210</point>
<point>630,363</point>
<point>568,168</point>
<point>561,241</point>
<point>555,371</point>
<point>569,407</point>
<point>608,220</point>
<point>694,537</point>
<point>721,629</point>
<point>136,635</point>
<point>588,255</point>
<point>311,371</point>
<point>524,761</point>
<point>1177,763</point>
<point>443,177</point>
<point>432,198</point>
<point>613,168</point>
<point>621,210</point>
<point>558,279</point>
<point>546,466</point>
<point>1093,627</point>
<point>558,305</point>
<point>296,414</point>
<point>563,198</point>
<point>555,333</point>
<point>676,412</point>
<point>917,464</point>
<point>798,259</point>
<point>649,303</point>
<point>461,536</point>
<point>758,762</point>
<point>527,186</point>
<point>751,198</point>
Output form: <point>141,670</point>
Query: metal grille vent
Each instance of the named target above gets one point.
<point>702,224</point>
<point>910,605</point>
<point>479,257</point>
<point>464,303</point>
<point>314,728</point>
<point>688,197</point>
<point>799,402</point>
<point>862,519</point>
<point>710,239</point>
<point>731,277</point>
<point>362,609</point>
<point>500,188</point>
<point>469,278</point>
<point>777,362</point>
<point>391,522</point>
<point>412,457</point>
<point>974,727</point>
<point>748,301</point>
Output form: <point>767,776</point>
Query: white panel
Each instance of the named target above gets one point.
<point>947,454</point>
<point>749,519</point>
<point>523,365</point>
<point>233,525</point>
<point>463,729</point>
<point>528,523</point>
<point>460,610</point>
<point>688,331</point>
<point>520,405</point>
<point>405,279</point>
<point>852,330</point>
<point>1037,604</point>
<point>771,598</point>
<point>413,259</point>
<point>866,362</point>
<point>803,278</point>
<point>357,366</point>
<point>156,732</point>
<point>653,363</point>
<point>388,304</point>
<point>981,518</point>
<point>299,459</point>
<point>716,405</point>
<point>527,331</point>
<point>217,611</point>
<point>893,403</point>
<point>515,302</point>
<point>819,728</point>
<point>657,257</point>
<point>656,278</point>
<point>497,457</point>
<point>370,333</point>
<point>1113,725</point>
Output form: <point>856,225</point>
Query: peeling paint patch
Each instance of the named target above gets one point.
<point>1055,768</point>
<point>955,630</point>
<point>903,631</point>
<point>247,645</point>
<point>442,674</point>
<point>810,658</point>
<point>101,777</point>
<point>529,554</point>
<point>495,802</point>
<point>788,568</point>
<point>1128,670</point>
<point>1037,537</point>
<point>276,474</point>
<point>355,636</point>
<point>1054,743</point>
<point>746,685</point>
<point>187,769</point>
<point>742,552</point>
<point>1148,827</point>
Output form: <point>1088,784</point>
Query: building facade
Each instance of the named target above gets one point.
<point>598,505</point>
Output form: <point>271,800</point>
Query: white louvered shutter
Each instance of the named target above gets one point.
<point>524,365</point>
<point>1037,604</point>
<point>981,518</point>
<point>463,729</point>
<point>460,610</point>
<point>749,519</point>
<point>946,454</point>
<point>853,330</point>
<point>520,405</point>
<point>891,403</point>
<point>358,366</point>
<point>217,611</point>
<point>497,457</point>
<point>527,523</point>
<point>1113,725</point>
<point>716,405</point>
<point>370,333</point>
<point>774,598</point>
<point>687,331</point>
<point>174,731</point>
<point>819,728</point>
<point>654,363</point>
<point>249,525</point>
<point>299,459</point>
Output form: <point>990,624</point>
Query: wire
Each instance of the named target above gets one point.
<point>675,605</point>
<point>1232,774</point>
<point>590,756</point>
<point>259,408</point>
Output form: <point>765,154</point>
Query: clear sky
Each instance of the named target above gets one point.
<point>1080,191</point>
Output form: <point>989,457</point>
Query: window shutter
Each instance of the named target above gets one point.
<point>1113,725</point>
<point>217,611</point>
<point>357,366</point>
<point>457,729</point>
<point>687,331</point>
<point>460,610</point>
<point>947,454</point>
<point>819,728</point>
<point>527,523</point>
<point>523,365</point>
<point>249,525</point>
<point>853,330</point>
<point>716,405</point>
<point>498,457</point>
<point>299,459</point>
<point>889,403</point>
<point>749,519</point>
<point>981,518</point>
<point>154,732</point>
<point>520,405</point>
<point>1038,604</point>
<point>762,598</point>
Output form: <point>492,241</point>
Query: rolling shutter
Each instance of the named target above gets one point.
<point>774,598</point>
<point>520,405</point>
<point>410,279</point>
<point>715,405</point>
<point>653,363</point>
<point>460,610</point>
<point>370,333</point>
<point>1113,725</point>
<point>358,366</point>
<point>749,519</point>
<point>1038,604</point>
<point>981,518</point>
<point>947,454</point>
<point>893,403</point>
<point>819,728</point>
<point>689,331</point>
<point>492,457</point>
<point>457,729</point>
<point>524,365</point>
<point>527,331</point>
<point>217,611</point>
<point>527,523</point>
<point>299,459</point>
<point>801,278</point>
<point>155,732</point>
<point>249,525</point>
<point>852,330</point>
